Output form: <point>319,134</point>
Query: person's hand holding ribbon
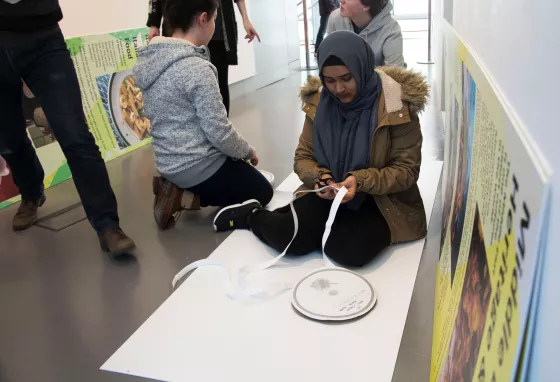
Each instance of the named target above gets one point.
<point>351,183</point>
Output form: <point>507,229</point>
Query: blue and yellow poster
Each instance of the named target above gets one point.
<point>495,188</point>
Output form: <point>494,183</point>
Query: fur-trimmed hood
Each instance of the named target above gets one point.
<point>399,85</point>
<point>395,152</point>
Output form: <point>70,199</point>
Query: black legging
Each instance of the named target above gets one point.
<point>235,182</point>
<point>322,31</point>
<point>357,236</point>
<point>218,57</point>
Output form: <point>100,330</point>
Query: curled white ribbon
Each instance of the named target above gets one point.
<point>237,287</point>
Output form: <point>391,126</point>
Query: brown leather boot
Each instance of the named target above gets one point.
<point>26,215</point>
<point>167,202</point>
<point>115,242</point>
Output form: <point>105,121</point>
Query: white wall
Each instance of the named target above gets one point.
<point>271,56</point>
<point>292,26</point>
<point>102,16</point>
<point>516,40</point>
<point>266,62</point>
<point>245,52</point>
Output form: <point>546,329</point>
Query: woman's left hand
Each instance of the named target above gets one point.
<point>351,184</point>
<point>251,32</point>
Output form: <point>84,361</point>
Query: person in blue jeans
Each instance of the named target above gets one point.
<point>33,50</point>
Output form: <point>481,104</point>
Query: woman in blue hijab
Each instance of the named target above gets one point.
<point>362,132</point>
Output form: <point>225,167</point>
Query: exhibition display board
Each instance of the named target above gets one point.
<point>495,189</point>
<point>112,103</point>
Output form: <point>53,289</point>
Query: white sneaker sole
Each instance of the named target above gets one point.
<point>231,207</point>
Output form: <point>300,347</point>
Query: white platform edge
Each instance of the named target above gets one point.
<point>199,334</point>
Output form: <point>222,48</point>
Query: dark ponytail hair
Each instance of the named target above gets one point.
<point>375,6</point>
<point>181,14</point>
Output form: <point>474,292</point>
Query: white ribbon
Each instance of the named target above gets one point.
<point>239,289</point>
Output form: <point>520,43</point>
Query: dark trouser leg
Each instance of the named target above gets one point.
<point>218,57</point>
<point>358,236</point>
<point>322,30</point>
<point>276,228</point>
<point>48,70</point>
<point>235,182</point>
<point>15,146</point>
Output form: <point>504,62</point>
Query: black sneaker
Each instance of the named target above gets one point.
<point>235,216</point>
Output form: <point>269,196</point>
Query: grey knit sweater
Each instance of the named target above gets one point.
<point>192,136</point>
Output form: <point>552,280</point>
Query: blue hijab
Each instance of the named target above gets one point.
<point>343,133</point>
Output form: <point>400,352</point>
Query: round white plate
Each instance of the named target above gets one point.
<point>125,131</point>
<point>269,176</point>
<point>333,294</point>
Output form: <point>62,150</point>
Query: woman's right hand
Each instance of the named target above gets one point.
<point>154,31</point>
<point>255,159</point>
<point>329,193</point>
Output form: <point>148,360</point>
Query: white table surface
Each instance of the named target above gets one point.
<point>199,334</point>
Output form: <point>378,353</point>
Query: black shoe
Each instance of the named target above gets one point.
<point>236,216</point>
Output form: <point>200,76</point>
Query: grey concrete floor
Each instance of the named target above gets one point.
<point>66,307</point>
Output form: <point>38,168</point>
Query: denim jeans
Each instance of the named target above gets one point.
<point>46,67</point>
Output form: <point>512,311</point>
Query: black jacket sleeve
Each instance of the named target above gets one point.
<point>155,13</point>
<point>333,4</point>
<point>327,6</point>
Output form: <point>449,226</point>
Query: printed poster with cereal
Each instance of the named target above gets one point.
<point>112,102</point>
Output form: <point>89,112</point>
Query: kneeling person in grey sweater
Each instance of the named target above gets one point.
<point>195,146</point>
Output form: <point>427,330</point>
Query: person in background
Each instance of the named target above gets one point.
<point>362,132</point>
<point>326,7</point>
<point>372,20</point>
<point>195,146</point>
<point>223,45</point>
<point>32,49</point>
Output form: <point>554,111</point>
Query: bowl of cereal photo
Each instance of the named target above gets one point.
<point>124,104</point>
